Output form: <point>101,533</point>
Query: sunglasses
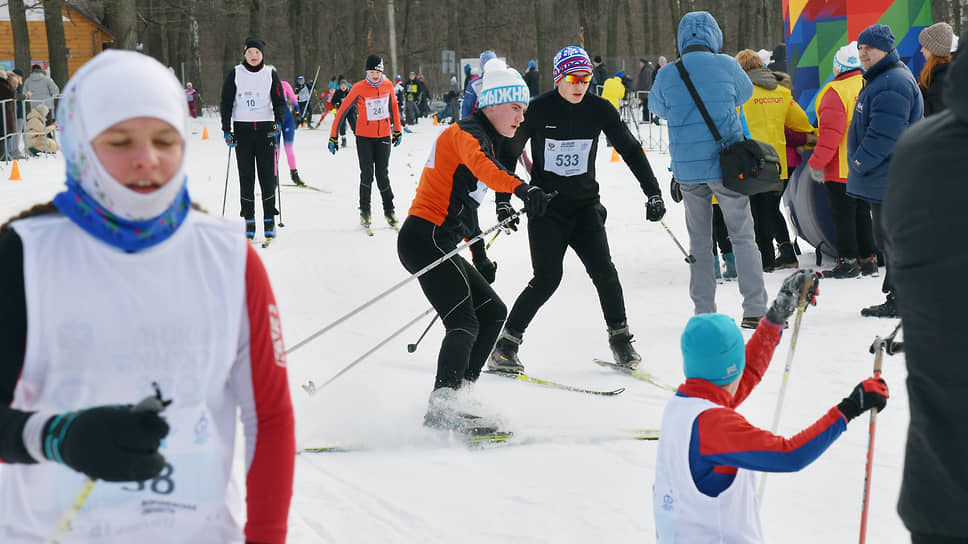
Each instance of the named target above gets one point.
<point>570,78</point>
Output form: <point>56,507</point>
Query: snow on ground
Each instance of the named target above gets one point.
<point>576,477</point>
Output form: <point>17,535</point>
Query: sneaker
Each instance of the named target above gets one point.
<point>270,227</point>
<point>250,229</point>
<point>443,413</point>
<point>730,261</point>
<point>845,268</point>
<point>365,218</point>
<point>391,218</point>
<point>787,258</point>
<point>887,309</point>
<point>868,266</point>
<point>504,358</point>
<point>620,340</point>
<point>295,178</point>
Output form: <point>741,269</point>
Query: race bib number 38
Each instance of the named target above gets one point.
<point>566,157</point>
<point>377,108</point>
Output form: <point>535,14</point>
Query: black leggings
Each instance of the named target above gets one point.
<point>920,538</point>
<point>471,311</point>
<point>720,233</point>
<point>256,147</point>
<point>852,222</point>
<point>374,156</point>
<point>549,236</point>
<point>880,238</point>
<point>768,224</point>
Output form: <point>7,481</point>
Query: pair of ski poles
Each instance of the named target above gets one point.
<point>275,173</point>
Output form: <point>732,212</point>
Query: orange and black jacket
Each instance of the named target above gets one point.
<point>362,91</point>
<point>461,163</point>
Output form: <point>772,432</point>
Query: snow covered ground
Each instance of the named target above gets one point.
<point>578,478</point>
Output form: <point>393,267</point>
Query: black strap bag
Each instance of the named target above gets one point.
<point>749,166</point>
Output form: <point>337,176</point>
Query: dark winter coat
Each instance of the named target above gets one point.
<point>933,95</point>
<point>533,79</point>
<point>925,221</point>
<point>644,81</point>
<point>599,75</point>
<point>889,103</point>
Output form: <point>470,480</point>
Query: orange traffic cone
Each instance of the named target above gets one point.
<point>615,157</point>
<point>15,173</point>
<point>436,122</point>
<point>204,133</point>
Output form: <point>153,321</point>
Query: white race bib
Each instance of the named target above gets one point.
<point>377,108</point>
<point>566,157</point>
<point>253,100</point>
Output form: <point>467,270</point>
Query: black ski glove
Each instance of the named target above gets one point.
<point>505,210</point>
<point>485,266</point>
<point>870,393</point>
<point>788,298</point>
<point>535,200</point>
<point>116,443</point>
<point>655,208</point>
<point>676,191</point>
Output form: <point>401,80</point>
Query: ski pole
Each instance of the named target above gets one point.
<point>801,307</point>
<point>403,282</point>
<point>496,234</point>
<point>311,388</point>
<point>689,258</point>
<point>877,348</point>
<point>225,192</point>
<point>413,347</point>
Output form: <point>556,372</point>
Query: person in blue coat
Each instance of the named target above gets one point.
<point>473,87</point>
<point>888,104</point>
<point>723,87</point>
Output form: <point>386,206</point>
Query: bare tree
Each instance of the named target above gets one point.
<point>611,29</point>
<point>541,41</point>
<point>21,40</point>
<point>56,41</point>
<point>121,17</point>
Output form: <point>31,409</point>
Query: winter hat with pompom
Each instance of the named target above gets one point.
<point>847,58</point>
<point>502,84</point>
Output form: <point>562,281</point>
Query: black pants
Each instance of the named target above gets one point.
<point>255,148</point>
<point>549,236</point>
<point>919,538</point>
<point>471,311</point>
<point>880,238</point>
<point>852,221</point>
<point>374,155</point>
<point>768,224</point>
<point>304,112</point>
<point>720,233</point>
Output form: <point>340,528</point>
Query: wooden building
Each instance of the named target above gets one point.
<point>85,37</point>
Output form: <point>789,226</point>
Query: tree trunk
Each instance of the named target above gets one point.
<point>611,32</point>
<point>541,41</point>
<point>296,23</point>
<point>56,41</point>
<point>121,17</point>
<point>21,40</point>
<point>256,16</point>
<point>675,16</point>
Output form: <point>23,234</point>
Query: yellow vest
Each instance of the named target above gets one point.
<point>767,112</point>
<point>847,90</point>
<point>613,91</point>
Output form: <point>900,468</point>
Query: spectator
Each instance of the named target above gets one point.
<point>41,87</point>
<point>828,165</point>
<point>38,130</point>
<point>532,78</point>
<point>599,75</point>
<point>614,89</point>
<point>643,84</point>
<point>925,222</point>
<point>191,95</point>
<point>889,103</point>
<point>723,86</point>
<point>936,47</point>
<point>768,111</point>
<point>778,62</point>
<point>7,115</point>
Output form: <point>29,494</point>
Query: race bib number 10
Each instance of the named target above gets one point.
<point>566,157</point>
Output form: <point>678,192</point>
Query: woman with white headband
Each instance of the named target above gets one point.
<point>119,284</point>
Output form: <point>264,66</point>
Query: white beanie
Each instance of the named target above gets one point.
<point>502,84</point>
<point>91,103</point>
<point>764,56</point>
<point>847,58</point>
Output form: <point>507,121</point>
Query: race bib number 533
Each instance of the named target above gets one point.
<point>566,157</point>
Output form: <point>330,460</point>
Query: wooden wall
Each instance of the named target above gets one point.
<point>84,40</point>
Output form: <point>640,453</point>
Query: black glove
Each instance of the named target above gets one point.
<point>676,191</point>
<point>788,298</point>
<point>535,200</point>
<point>117,443</point>
<point>655,208</point>
<point>333,144</point>
<point>505,210</point>
<point>870,393</point>
<point>395,137</point>
<point>485,266</point>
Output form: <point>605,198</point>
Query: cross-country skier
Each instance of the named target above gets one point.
<point>708,452</point>
<point>445,211</point>
<point>289,131</point>
<point>473,87</point>
<point>375,103</point>
<point>350,118</point>
<point>252,112</point>
<point>302,97</point>
<point>563,126</point>
<point>114,285</point>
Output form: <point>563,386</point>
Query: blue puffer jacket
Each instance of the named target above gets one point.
<point>723,87</point>
<point>889,103</point>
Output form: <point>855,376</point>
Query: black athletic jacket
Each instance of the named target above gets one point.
<point>551,116</point>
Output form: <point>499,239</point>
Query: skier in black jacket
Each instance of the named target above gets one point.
<point>563,126</point>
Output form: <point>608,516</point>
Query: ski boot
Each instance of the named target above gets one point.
<point>342,142</point>
<point>391,218</point>
<point>365,218</point>
<point>443,413</point>
<point>295,178</point>
<point>887,309</point>
<point>787,258</point>
<point>504,358</point>
<point>730,261</point>
<point>250,229</point>
<point>868,266</point>
<point>620,340</point>
<point>845,268</point>
<point>269,226</point>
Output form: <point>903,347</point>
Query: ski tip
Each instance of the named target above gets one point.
<point>325,449</point>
